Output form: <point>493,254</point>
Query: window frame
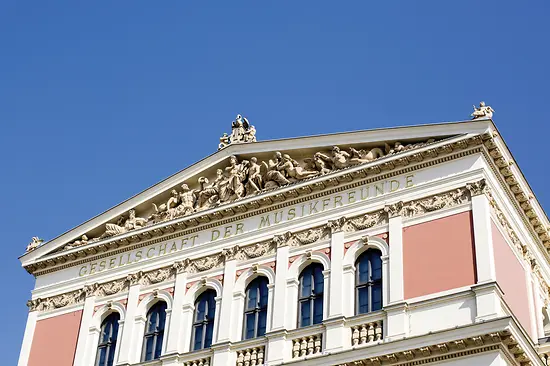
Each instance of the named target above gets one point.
<point>368,255</point>
<point>113,320</point>
<point>159,308</point>
<point>257,310</point>
<point>206,322</point>
<point>313,297</point>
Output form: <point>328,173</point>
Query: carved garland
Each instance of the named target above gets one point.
<point>193,222</point>
<point>265,248</point>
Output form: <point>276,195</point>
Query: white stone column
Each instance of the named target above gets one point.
<point>279,293</point>
<point>483,237</point>
<point>27,339</point>
<point>539,304</point>
<point>175,333</point>
<point>291,304</point>
<point>396,280</point>
<point>531,303</point>
<point>335,293</point>
<point>349,289</point>
<point>225,318</point>
<point>127,340</point>
<point>84,342</point>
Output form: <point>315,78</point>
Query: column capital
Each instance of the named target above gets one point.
<point>394,209</point>
<point>478,187</point>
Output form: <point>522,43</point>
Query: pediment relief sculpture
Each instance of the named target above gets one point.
<point>245,178</point>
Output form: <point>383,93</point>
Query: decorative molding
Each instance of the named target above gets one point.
<point>477,188</point>
<point>394,210</point>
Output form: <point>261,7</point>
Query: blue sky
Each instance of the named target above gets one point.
<point>100,100</point>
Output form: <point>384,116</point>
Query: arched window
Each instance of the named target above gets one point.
<point>368,282</point>
<point>107,341</point>
<point>203,324</point>
<point>310,297</point>
<point>154,332</point>
<point>255,311</point>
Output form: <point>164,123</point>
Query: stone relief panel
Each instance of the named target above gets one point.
<point>246,178</point>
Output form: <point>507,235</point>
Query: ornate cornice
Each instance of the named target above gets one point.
<point>271,200</point>
<point>458,348</point>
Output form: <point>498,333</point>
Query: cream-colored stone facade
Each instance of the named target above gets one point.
<point>463,245</point>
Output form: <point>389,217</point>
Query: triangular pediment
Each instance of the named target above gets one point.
<point>244,172</point>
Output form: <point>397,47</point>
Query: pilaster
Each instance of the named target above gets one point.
<point>338,335</point>
<point>225,318</point>
<point>483,237</point>
<point>276,347</point>
<point>176,320</point>
<point>396,280</point>
<point>27,339</point>
<point>223,354</point>
<point>125,354</point>
<point>279,293</point>
<point>85,322</point>
<point>335,293</point>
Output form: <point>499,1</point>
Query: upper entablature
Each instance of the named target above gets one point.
<point>246,171</point>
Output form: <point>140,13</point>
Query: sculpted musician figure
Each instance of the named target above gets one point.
<point>483,111</point>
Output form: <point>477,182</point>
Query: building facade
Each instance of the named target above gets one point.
<point>408,246</point>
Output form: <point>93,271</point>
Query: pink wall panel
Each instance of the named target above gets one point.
<point>511,278</point>
<point>54,341</point>
<point>438,255</point>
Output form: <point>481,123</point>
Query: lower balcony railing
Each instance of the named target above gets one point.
<point>307,341</point>
<point>250,353</point>
<point>197,358</point>
<point>366,329</point>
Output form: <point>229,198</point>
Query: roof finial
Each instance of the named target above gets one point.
<point>483,111</point>
<point>241,132</point>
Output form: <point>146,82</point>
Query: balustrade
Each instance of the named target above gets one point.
<point>307,345</point>
<point>366,333</point>
<point>253,356</point>
<point>199,362</point>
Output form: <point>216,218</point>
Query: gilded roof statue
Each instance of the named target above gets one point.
<point>241,132</point>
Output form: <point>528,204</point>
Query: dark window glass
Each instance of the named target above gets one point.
<point>203,323</point>
<point>368,282</point>
<point>255,312</point>
<point>107,341</point>
<point>311,295</point>
<point>154,332</point>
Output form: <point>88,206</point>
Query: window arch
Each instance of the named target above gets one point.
<point>107,340</point>
<point>203,320</point>
<point>255,310</point>
<point>368,282</point>
<point>310,297</point>
<point>154,332</point>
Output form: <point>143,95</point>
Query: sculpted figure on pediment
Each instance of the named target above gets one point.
<point>254,184</point>
<point>364,156</point>
<point>483,111</point>
<point>293,170</point>
<point>241,132</point>
<point>35,243</point>
<point>124,225</point>
<point>236,174</point>
<point>320,162</point>
<point>274,177</point>
<point>77,243</point>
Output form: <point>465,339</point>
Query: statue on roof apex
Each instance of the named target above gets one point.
<point>35,243</point>
<point>483,111</point>
<point>241,132</point>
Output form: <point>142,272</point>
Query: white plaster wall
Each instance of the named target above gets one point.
<point>435,316</point>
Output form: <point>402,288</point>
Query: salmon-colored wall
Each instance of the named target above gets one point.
<point>438,255</point>
<point>54,340</point>
<point>511,278</point>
